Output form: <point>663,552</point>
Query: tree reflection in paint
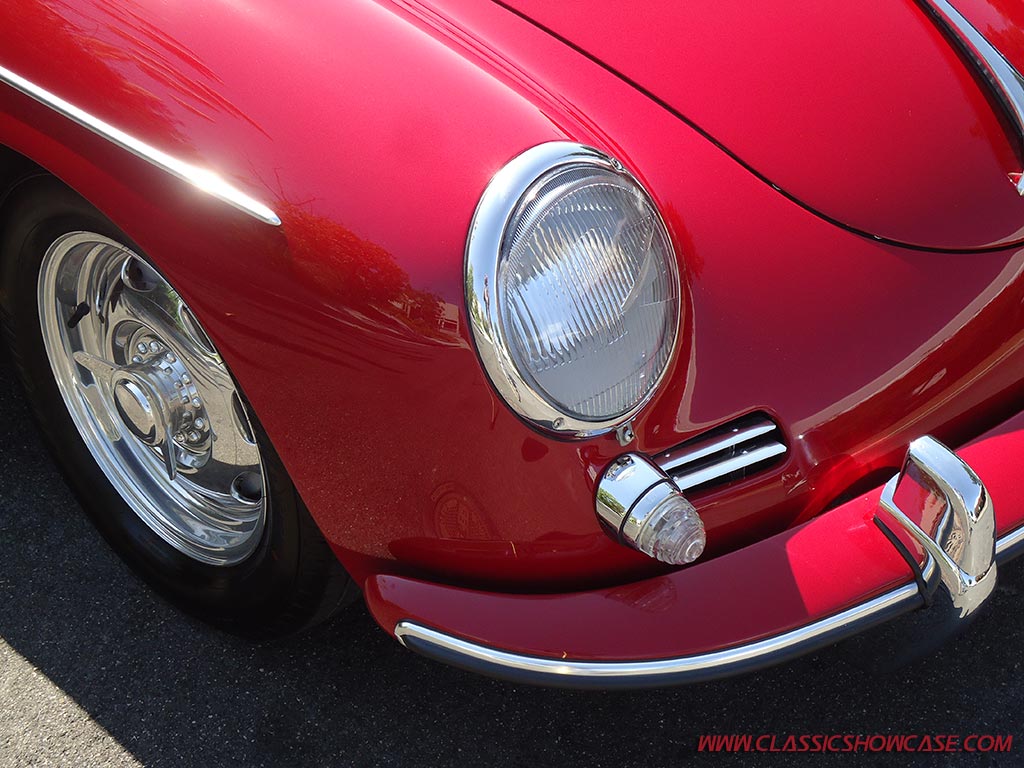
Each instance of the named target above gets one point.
<point>363,277</point>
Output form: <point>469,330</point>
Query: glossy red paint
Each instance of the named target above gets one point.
<point>808,573</point>
<point>863,111</point>
<point>1002,23</point>
<point>407,459</point>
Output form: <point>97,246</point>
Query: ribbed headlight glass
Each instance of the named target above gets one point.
<point>585,295</point>
<point>588,292</point>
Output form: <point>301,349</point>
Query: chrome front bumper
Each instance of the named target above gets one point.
<point>936,512</point>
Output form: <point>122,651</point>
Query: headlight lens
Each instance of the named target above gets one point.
<point>585,308</point>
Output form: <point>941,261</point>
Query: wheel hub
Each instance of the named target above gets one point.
<point>137,410</point>
<point>157,399</point>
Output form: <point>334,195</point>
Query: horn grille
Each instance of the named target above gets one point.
<point>726,454</point>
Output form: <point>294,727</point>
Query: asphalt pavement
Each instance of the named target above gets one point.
<point>97,670</point>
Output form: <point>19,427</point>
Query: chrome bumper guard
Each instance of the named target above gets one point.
<point>944,507</point>
<point>943,518</point>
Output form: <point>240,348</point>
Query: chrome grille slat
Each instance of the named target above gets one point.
<point>729,466</point>
<point>726,454</point>
<point>706,446</point>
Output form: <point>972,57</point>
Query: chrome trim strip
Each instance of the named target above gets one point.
<point>1009,541</point>
<point>1003,78</point>
<point>202,179</point>
<point>687,480</point>
<point>705,666</point>
<point>703,448</point>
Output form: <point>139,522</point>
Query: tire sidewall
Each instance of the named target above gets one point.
<point>246,597</point>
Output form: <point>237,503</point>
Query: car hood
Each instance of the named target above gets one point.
<point>864,112</point>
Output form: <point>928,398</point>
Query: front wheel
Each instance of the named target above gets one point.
<point>150,427</point>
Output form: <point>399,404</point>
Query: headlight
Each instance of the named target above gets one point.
<point>573,289</point>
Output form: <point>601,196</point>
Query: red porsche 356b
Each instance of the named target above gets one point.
<point>593,344</point>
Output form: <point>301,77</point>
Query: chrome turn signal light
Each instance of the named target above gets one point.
<point>647,511</point>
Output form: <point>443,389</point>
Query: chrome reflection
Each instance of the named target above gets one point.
<point>200,178</point>
<point>645,510</point>
<point>662,671</point>
<point>518,189</point>
<point>944,506</point>
<point>155,405</point>
<point>1005,81</point>
<point>726,454</point>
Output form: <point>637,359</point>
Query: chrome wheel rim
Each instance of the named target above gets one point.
<point>152,398</point>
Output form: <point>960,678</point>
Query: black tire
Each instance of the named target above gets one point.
<point>290,582</point>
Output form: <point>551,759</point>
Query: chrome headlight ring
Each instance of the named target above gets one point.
<point>520,196</point>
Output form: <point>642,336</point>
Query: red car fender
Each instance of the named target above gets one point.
<point>346,326</point>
